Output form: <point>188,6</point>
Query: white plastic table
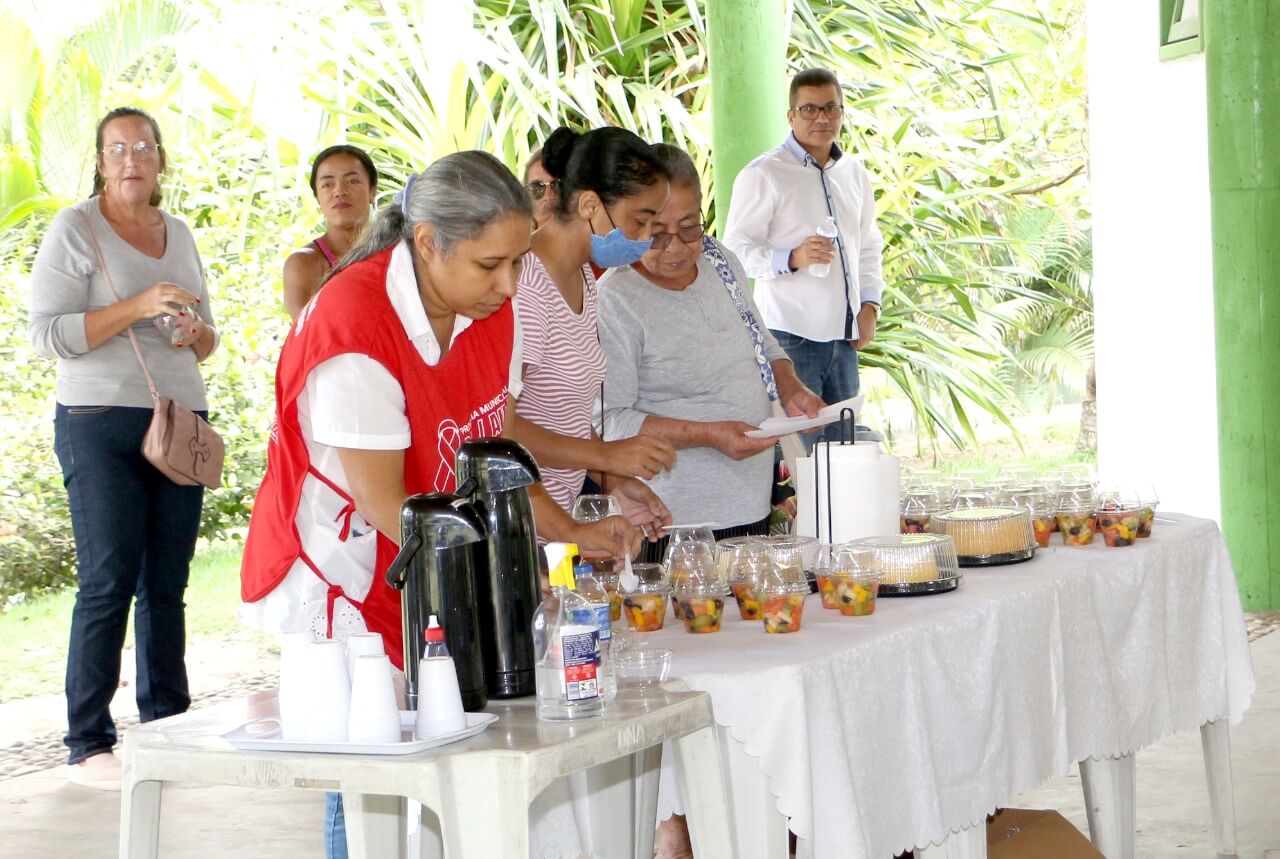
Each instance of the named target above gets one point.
<point>872,736</point>
<point>479,789</point>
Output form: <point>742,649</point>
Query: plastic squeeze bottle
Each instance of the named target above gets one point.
<point>827,231</point>
<point>589,588</point>
<point>439,701</point>
<point>566,641</point>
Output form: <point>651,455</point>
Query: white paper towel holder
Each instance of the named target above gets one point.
<point>848,434</point>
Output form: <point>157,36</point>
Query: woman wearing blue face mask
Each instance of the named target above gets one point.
<point>609,187</point>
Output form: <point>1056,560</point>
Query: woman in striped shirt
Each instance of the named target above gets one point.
<point>608,186</point>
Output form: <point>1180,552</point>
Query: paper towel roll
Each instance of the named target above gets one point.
<point>857,492</point>
<point>890,493</point>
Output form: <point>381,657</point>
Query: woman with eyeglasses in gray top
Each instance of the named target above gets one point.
<point>135,529</point>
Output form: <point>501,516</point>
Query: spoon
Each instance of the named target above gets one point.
<point>628,581</point>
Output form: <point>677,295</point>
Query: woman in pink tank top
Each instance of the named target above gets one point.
<point>344,181</point>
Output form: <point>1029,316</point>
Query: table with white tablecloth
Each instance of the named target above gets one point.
<point>877,734</point>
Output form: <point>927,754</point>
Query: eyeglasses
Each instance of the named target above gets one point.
<point>143,150</point>
<point>688,235</point>
<point>537,189</point>
<point>810,111</point>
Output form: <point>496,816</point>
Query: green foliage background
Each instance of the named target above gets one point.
<point>969,113</point>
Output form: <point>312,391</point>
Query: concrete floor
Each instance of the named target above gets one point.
<point>41,815</point>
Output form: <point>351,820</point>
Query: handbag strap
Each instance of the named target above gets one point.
<point>106,275</point>
<point>711,250</point>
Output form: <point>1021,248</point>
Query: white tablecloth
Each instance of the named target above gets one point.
<point>880,733</point>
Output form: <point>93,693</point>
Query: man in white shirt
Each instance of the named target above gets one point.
<point>780,202</point>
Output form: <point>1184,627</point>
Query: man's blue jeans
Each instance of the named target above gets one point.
<point>135,534</point>
<point>829,369</point>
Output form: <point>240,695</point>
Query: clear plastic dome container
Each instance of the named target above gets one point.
<point>987,536</point>
<point>911,564</point>
<point>784,548</point>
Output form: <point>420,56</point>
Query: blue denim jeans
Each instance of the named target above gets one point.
<point>829,369</point>
<point>335,827</point>
<point>135,534</point>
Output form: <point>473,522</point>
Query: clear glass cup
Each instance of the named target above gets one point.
<point>641,669</point>
<point>593,508</point>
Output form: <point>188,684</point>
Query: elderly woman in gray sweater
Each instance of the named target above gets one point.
<point>135,529</point>
<point>689,362</point>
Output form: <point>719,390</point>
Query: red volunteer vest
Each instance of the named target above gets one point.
<point>462,397</point>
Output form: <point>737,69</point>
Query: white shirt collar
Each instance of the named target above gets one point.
<point>402,290</point>
<point>802,155</point>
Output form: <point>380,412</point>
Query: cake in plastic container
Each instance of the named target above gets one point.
<point>911,564</point>
<point>988,535</point>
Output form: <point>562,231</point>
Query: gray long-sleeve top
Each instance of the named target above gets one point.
<point>687,355</point>
<point>67,283</point>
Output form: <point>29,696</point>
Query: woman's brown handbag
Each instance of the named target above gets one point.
<point>179,442</point>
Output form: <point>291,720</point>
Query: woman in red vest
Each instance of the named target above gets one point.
<point>404,354</point>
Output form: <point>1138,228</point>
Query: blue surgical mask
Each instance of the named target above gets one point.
<point>614,249</point>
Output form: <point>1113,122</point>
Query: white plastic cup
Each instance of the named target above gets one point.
<point>292,683</point>
<point>439,700</point>
<point>325,696</point>
<point>362,644</point>
<point>374,716</point>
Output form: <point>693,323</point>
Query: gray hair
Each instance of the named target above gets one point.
<point>457,196</point>
<point>678,165</point>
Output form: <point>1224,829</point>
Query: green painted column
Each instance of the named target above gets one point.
<point>747,61</point>
<point>1242,64</point>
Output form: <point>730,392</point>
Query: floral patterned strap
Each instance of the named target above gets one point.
<point>711,250</point>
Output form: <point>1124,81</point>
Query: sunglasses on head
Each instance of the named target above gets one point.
<point>688,235</point>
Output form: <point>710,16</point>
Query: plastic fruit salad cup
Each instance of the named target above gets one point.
<point>645,608</point>
<point>1120,526</point>
<point>855,592</point>
<point>1077,524</point>
<point>701,607</point>
<point>748,567</point>
<point>784,607</point>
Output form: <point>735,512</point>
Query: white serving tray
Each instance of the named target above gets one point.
<point>263,735</point>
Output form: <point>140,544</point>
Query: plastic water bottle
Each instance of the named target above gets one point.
<point>590,589</point>
<point>827,231</point>
<point>176,327</point>
<point>566,641</point>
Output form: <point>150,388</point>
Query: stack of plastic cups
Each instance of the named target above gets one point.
<point>374,715</point>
